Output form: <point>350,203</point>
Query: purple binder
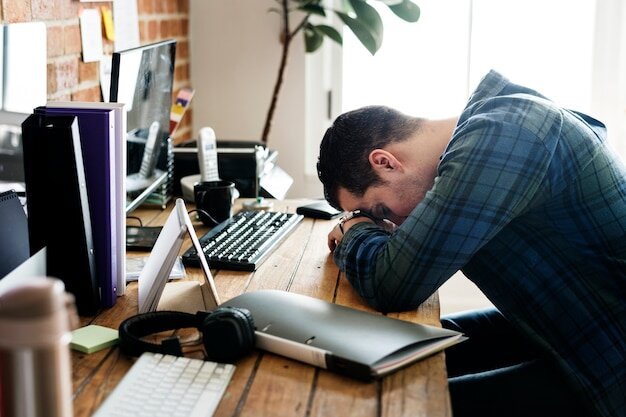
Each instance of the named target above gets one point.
<point>97,136</point>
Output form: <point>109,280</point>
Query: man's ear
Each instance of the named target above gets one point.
<point>383,161</point>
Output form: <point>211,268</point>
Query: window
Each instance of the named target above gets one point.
<point>429,68</point>
<point>573,51</point>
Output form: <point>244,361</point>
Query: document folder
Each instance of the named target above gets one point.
<point>57,202</point>
<point>356,343</point>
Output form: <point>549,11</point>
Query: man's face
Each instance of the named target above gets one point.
<point>392,200</point>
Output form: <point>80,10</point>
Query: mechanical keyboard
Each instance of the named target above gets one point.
<point>244,241</point>
<point>166,385</point>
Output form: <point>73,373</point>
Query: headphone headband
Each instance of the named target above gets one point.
<point>227,332</point>
<point>134,328</point>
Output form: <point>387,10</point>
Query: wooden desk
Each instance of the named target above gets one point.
<point>265,384</point>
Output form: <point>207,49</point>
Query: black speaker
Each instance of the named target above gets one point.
<point>227,332</point>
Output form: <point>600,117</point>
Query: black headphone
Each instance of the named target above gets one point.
<point>227,332</point>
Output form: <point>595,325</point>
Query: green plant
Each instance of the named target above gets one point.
<point>357,15</point>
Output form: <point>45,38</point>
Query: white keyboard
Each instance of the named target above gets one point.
<point>166,385</point>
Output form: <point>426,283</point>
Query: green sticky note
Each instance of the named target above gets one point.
<point>93,338</point>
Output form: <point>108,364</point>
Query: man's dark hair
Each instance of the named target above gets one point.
<point>344,151</point>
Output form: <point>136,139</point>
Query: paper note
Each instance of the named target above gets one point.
<point>107,21</point>
<point>91,35</point>
<point>93,338</point>
<point>126,24</point>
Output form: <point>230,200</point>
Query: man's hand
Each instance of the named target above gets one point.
<point>336,234</point>
<point>334,237</point>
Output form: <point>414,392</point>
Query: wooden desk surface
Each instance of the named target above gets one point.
<point>265,384</point>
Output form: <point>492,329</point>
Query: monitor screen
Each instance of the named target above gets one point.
<point>142,78</point>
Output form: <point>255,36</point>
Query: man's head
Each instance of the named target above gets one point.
<point>344,161</point>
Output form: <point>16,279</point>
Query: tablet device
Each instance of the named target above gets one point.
<point>156,272</point>
<point>141,238</point>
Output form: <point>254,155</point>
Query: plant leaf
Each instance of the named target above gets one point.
<point>329,31</point>
<point>361,31</point>
<point>315,9</point>
<point>407,10</point>
<point>370,18</point>
<point>312,38</point>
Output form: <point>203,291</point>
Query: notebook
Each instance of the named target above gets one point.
<point>352,342</point>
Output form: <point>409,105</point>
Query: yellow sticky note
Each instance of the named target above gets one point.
<point>107,22</point>
<point>93,338</point>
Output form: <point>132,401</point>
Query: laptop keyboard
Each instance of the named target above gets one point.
<point>244,241</point>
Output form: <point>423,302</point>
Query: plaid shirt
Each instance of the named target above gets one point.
<point>530,203</point>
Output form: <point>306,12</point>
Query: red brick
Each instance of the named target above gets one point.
<point>16,11</point>
<point>181,72</point>
<point>66,73</point>
<point>88,71</point>
<point>72,39</point>
<point>182,50</point>
<point>52,79</point>
<point>61,97</point>
<point>142,32</point>
<point>145,6</point>
<point>168,31</point>
<point>152,30</point>
<point>46,9</point>
<point>55,41</point>
<point>160,6</point>
<point>184,24</point>
<point>89,94</point>
<point>182,6</point>
<point>69,9</point>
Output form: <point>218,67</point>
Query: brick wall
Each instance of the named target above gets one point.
<point>69,78</point>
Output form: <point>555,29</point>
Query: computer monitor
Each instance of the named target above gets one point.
<point>142,78</point>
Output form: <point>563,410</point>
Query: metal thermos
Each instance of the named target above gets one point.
<point>35,332</point>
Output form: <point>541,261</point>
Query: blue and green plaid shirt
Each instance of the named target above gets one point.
<point>530,203</point>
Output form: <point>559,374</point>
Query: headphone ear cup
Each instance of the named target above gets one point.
<point>228,334</point>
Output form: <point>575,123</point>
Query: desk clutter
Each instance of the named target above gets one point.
<point>306,329</point>
<point>356,343</point>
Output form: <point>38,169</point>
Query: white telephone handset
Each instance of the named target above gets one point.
<point>207,155</point>
<point>148,162</point>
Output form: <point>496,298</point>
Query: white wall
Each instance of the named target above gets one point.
<point>608,98</point>
<point>235,53</point>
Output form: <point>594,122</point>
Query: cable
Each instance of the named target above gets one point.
<point>205,213</point>
<point>135,218</point>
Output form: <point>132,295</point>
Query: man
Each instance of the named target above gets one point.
<point>527,199</point>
